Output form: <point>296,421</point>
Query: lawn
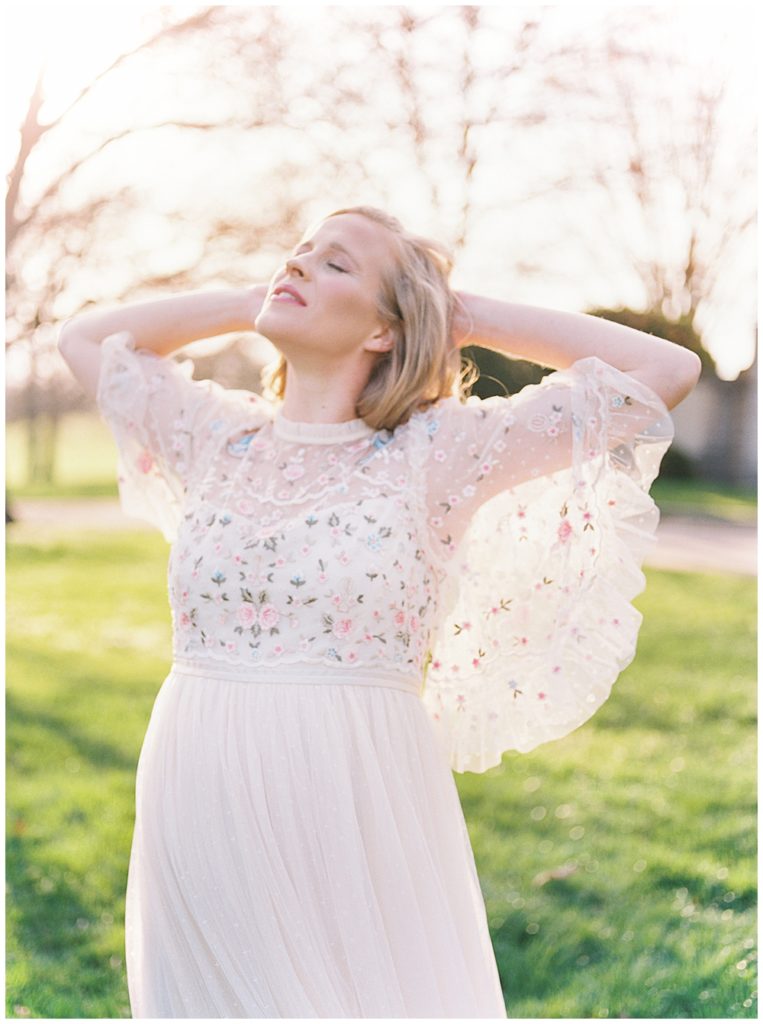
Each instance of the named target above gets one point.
<point>648,809</point>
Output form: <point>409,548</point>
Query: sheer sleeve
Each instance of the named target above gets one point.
<point>165,425</point>
<point>539,514</point>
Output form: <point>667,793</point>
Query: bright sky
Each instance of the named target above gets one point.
<point>76,42</point>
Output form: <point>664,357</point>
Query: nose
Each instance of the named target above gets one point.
<point>293,265</point>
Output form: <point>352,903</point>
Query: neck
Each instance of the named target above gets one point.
<point>314,398</point>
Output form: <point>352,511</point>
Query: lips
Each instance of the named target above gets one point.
<point>287,289</point>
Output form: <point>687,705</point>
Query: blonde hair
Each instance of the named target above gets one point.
<point>416,301</point>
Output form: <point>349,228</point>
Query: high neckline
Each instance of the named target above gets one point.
<point>320,433</point>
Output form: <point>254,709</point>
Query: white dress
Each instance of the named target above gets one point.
<point>357,613</point>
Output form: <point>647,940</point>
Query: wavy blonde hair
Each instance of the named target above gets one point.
<point>417,303</point>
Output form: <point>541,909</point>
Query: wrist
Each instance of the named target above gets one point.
<point>463,322</point>
<point>252,300</point>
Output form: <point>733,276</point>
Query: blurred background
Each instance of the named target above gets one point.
<point>572,157</point>
<point>586,158</point>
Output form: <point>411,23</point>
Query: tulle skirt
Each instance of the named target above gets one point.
<point>300,851</point>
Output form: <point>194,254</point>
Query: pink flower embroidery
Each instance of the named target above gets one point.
<point>564,530</point>
<point>342,627</point>
<point>294,471</point>
<point>269,616</point>
<point>246,614</point>
<point>399,618</point>
<point>414,623</point>
<point>145,461</point>
<point>245,506</point>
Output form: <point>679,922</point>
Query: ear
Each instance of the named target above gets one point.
<point>382,340</point>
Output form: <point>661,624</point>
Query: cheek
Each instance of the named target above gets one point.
<point>348,299</point>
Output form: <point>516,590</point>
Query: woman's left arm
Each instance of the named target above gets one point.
<point>557,339</point>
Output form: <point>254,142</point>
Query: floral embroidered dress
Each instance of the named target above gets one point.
<point>356,613</point>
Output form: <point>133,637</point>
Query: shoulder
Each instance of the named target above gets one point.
<point>230,408</point>
<point>454,412</point>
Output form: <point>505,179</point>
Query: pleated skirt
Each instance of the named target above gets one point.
<point>300,850</point>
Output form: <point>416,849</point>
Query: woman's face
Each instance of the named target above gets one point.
<point>324,299</point>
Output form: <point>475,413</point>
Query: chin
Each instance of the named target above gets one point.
<point>282,336</point>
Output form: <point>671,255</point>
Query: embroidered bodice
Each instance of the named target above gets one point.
<point>490,547</point>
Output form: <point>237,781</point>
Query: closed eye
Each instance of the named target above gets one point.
<point>335,266</point>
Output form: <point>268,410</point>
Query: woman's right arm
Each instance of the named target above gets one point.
<point>162,326</point>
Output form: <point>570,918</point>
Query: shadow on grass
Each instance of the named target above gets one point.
<point>61,941</point>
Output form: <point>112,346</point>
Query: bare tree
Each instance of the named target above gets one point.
<point>388,105</point>
<point>679,207</point>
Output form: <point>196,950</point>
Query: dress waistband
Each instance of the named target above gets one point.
<point>303,672</point>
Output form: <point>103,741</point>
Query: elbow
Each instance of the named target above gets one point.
<point>690,372</point>
<point>674,377</point>
<point>681,377</point>
<point>65,333</point>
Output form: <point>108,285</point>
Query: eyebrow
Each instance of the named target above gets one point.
<point>335,246</point>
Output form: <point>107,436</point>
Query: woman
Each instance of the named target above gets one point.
<point>371,582</point>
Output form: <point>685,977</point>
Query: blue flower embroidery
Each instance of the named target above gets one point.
<point>239,447</point>
<point>380,440</point>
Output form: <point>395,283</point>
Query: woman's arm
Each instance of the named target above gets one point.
<point>162,326</point>
<point>557,339</point>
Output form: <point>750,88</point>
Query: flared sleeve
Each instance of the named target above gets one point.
<point>540,515</point>
<point>166,426</point>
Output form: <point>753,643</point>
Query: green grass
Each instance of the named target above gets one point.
<point>691,497</point>
<point>85,460</point>
<point>652,802</point>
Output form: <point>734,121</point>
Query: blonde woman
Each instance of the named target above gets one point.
<point>373,581</point>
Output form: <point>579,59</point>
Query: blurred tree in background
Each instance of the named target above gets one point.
<point>197,157</point>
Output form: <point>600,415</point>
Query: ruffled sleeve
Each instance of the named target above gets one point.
<point>539,514</point>
<point>165,424</point>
